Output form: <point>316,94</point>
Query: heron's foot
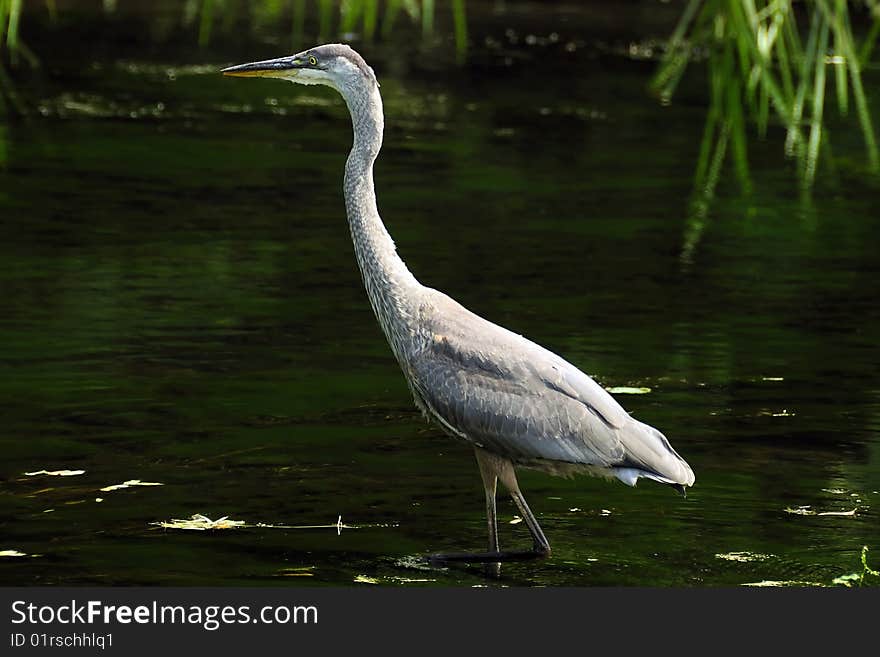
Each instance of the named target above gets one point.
<point>538,552</point>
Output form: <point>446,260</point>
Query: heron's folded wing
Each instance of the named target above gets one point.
<point>504,397</point>
<point>563,377</point>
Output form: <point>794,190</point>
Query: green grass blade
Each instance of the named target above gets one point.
<point>842,86</point>
<point>297,23</point>
<point>350,12</point>
<point>714,134</point>
<point>864,115</point>
<point>681,28</point>
<point>808,61</point>
<point>855,74</point>
<point>392,8</point>
<point>675,59</point>
<point>427,17</point>
<point>12,29</point>
<point>818,106</point>
<point>206,22</point>
<point>785,66</point>
<point>325,19</point>
<point>371,18</point>
<point>870,38</point>
<point>4,21</point>
<point>459,19</point>
<point>792,37</point>
<point>842,32</point>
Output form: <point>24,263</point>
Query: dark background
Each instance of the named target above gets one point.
<point>181,303</point>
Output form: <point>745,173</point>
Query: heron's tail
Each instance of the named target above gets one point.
<point>649,455</point>
<point>681,490</point>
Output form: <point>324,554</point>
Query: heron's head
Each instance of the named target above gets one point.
<point>334,65</point>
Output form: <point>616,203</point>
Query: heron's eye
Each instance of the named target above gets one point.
<point>312,61</point>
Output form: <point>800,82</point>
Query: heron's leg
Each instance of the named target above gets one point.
<point>493,468</point>
<point>542,545</point>
<point>505,472</point>
<point>490,483</point>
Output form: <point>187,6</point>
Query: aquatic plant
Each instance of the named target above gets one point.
<point>761,71</point>
<point>335,18</point>
<point>759,67</point>
<point>10,14</point>
<point>858,578</point>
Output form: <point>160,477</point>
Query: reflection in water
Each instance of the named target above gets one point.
<point>334,19</point>
<point>180,305</point>
<point>758,64</point>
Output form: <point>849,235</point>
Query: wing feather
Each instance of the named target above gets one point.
<point>507,394</point>
<point>504,392</point>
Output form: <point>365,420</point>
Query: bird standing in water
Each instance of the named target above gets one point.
<point>517,403</point>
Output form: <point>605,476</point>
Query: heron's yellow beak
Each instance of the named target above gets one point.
<point>269,68</point>
<point>249,74</point>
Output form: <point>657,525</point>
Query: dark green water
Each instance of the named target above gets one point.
<point>180,304</point>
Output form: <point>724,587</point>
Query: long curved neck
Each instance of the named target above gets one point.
<point>391,287</point>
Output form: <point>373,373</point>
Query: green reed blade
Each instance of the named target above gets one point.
<point>12,29</point>
<point>855,74</point>
<point>676,57</point>
<point>392,8</point>
<point>297,23</point>
<point>325,19</point>
<point>808,61</point>
<point>785,65</point>
<point>459,19</point>
<point>427,17</point>
<point>841,31</point>
<point>371,18</point>
<point>870,39</point>
<point>350,12</point>
<point>818,105</point>
<point>206,22</point>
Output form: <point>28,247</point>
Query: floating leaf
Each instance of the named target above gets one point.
<point>198,522</point>
<point>800,510</point>
<point>847,580</point>
<point>12,553</point>
<point>743,557</point>
<point>56,473</point>
<point>363,579</point>
<point>130,483</point>
<point>299,571</point>
<point>771,582</point>
<point>807,511</point>
<point>626,390</point>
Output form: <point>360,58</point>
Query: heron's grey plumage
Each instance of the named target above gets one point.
<point>482,383</point>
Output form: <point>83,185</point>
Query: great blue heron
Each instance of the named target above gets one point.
<point>517,403</point>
